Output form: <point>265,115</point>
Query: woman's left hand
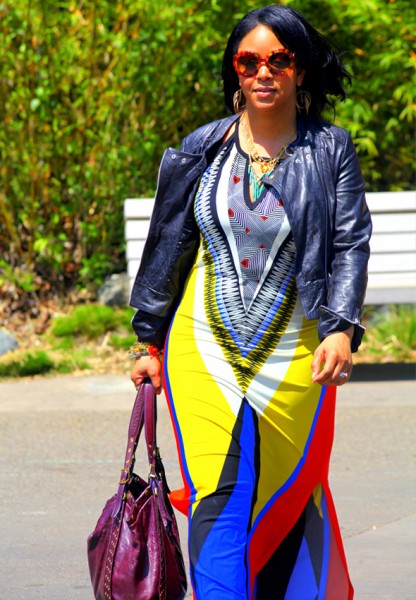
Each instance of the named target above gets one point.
<point>332,362</point>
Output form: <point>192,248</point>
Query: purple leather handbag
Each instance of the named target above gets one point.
<point>134,551</point>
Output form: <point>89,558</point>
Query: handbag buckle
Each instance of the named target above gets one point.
<point>124,479</point>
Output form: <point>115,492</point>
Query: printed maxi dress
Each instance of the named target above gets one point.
<point>254,434</point>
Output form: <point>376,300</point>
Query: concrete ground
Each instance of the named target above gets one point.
<point>62,446</point>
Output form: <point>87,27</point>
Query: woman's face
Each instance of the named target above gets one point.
<point>265,91</point>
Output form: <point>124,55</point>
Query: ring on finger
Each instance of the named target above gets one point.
<point>343,374</point>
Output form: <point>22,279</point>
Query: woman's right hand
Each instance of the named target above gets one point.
<point>147,366</point>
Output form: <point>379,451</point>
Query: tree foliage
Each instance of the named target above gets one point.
<point>377,41</point>
<point>92,91</point>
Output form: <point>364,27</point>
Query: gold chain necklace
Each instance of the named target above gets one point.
<point>266,163</point>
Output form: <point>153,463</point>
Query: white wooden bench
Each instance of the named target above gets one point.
<point>392,267</point>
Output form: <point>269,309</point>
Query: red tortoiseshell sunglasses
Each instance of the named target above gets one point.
<point>247,64</point>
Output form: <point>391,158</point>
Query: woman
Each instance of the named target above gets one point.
<point>253,279</point>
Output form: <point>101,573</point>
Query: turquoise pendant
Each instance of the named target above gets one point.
<point>256,184</point>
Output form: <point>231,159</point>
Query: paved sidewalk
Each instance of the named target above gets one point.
<point>62,445</point>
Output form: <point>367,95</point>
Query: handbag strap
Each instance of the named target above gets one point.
<point>157,473</point>
<point>150,418</point>
<point>145,397</point>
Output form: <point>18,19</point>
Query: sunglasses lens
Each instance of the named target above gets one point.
<point>247,65</point>
<point>280,61</point>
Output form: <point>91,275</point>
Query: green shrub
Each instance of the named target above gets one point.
<point>91,321</point>
<point>122,342</point>
<point>391,333</point>
<point>64,343</point>
<point>33,363</point>
<point>74,361</point>
<point>125,317</point>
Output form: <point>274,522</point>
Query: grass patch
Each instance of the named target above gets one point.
<point>122,342</point>
<point>125,316</point>
<point>76,361</point>
<point>30,363</point>
<point>64,343</point>
<point>90,321</point>
<point>391,334</point>
<point>91,338</point>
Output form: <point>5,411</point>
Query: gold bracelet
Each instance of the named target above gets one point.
<point>140,349</point>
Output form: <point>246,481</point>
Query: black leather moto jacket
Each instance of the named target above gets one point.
<point>323,194</point>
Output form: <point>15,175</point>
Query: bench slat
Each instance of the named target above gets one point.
<point>137,230</point>
<point>388,202</point>
<point>138,208</point>
<point>393,223</point>
<point>392,263</point>
<point>393,242</point>
<point>391,295</point>
<point>134,248</point>
<point>401,279</point>
<point>132,268</point>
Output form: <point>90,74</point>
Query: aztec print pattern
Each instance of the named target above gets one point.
<point>254,435</point>
<point>254,230</point>
<point>247,336</point>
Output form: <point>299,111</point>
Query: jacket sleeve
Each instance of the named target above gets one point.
<point>168,255</point>
<point>173,240</point>
<point>350,251</point>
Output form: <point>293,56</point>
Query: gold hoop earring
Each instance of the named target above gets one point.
<point>303,101</point>
<point>239,102</point>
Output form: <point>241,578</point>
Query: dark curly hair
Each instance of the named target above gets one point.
<point>325,74</point>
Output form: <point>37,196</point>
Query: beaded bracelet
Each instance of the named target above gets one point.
<point>140,349</point>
